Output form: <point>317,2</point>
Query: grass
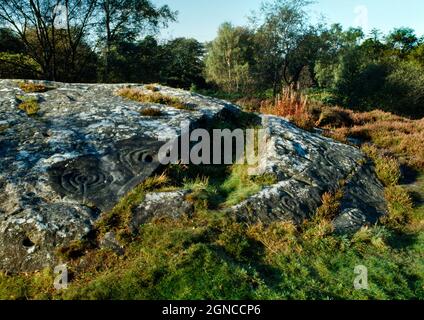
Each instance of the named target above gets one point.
<point>212,256</point>
<point>153,97</point>
<point>29,105</point>
<point>217,186</point>
<point>397,136</point>
<point>151,112</point>
<point>292,105</point>
<point>29,87</point>
<point>386,167</point>
<point>152,87</point>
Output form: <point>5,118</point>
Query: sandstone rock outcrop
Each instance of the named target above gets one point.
<point>87,147</point>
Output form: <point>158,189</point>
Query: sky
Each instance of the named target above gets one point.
<point>200,19</point>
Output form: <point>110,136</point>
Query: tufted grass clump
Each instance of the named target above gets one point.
<point>154,97</point>
<point>36,285</point>
<point>118,219</point>
<point>330,206</point>
<point>386,167</point>
<point>400,207</point>
<point>30,87</point>
<point>29,105</point>
<point>151,112</point>
<point>292,105</point>
<point>152,87</point>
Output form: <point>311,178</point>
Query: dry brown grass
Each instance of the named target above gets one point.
<point>32,87</point>
<point>151,112</point>
<point>154,97</point>
<point>394,135</point>
<point>152,87</point>
<point>279,237</point>
<point>330,206</point>
<point>291,105</point>
<point>250,104</point>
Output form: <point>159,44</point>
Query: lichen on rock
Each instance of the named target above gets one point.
<point>87,147</point>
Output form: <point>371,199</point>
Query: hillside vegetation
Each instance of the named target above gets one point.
<point>211,256</point>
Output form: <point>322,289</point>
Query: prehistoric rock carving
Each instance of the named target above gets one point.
<point>83,177</point>
<point>102,180</point>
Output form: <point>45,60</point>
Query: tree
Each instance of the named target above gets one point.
<point>285,23</point>
<point>301,59</point>
<point>340,48</point>
<point>183,63</point>
<point>402,39</point>
<point>35,22</point>
<point>120,20</point>
<point>10,42</point>
<point>228,57</point>
<point>143,58</point>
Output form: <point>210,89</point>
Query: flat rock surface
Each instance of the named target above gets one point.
<point>87,147</point>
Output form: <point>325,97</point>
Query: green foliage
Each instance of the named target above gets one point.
<point>228,58</point>
<point>18,66</point>
<point>183,65</point>
<point>403,90</point>
<point>400,207</point>
<point>387,168</point>
<point>31,286</point>
<point>212,256</point>
<point>10,42</point>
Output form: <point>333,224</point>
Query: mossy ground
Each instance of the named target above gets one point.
<point>212,256</point>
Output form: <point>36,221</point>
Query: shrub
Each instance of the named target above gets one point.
<point>18,66</point>
<point>330,206</point>
<point>335,117</point>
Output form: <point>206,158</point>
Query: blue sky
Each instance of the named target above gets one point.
<point>200,18</point>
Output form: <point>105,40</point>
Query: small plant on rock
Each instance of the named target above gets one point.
<point>29,105</point>
<point>155,97</point>
<point>151,112</point>
<point>29,87</point>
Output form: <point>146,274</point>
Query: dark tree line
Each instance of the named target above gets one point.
<point>114,41</point>
<point>94,40</point>
<point>345,67</point>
